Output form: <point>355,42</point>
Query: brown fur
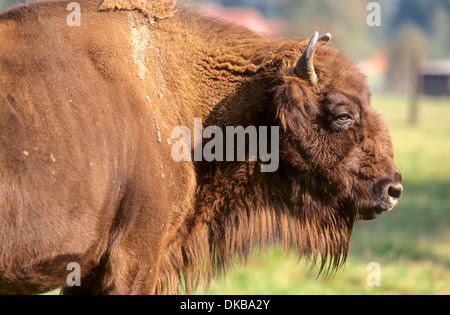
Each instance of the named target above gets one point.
<point>86,175</point>
<point>152,9</point>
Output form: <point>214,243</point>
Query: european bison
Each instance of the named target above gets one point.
<point>87,171</point>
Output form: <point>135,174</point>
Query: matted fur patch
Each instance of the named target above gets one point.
<point>157,9</point>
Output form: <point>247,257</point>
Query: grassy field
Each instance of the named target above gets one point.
<point>411,244</point>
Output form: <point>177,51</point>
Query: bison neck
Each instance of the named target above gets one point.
<point>216,58</point>
<point>237,207</point>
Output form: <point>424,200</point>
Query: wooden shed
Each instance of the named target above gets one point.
<point>432,79</point>
<point>435,78</point>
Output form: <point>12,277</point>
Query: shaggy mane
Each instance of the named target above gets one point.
<point>224,231</point>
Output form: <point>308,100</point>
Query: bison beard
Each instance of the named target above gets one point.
<point>87,174</point>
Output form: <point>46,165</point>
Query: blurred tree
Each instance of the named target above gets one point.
<point>418,30</point>
<point>432,17</point>
<point>440,45</point>
<point>346,21</point>
<point>5,4</point>
<point>410,12</point>
<point>406,50</point>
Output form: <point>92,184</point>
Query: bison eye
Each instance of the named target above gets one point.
<point>341,122</point>
<point>344,118</point>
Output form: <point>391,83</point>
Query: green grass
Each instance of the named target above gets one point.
<point>411,244</point>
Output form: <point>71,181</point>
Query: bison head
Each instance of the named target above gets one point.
<point>333,138</point>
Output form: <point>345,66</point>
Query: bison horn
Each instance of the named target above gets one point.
<point>305,67</point>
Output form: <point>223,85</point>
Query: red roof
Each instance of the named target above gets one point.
<point>249,17</point>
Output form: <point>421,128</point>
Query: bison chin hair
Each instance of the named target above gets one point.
<point>315,232</point>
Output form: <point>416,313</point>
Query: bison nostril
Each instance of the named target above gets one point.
<point>395,192</point>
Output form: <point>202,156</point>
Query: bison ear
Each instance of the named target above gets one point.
<point>295,105</point>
